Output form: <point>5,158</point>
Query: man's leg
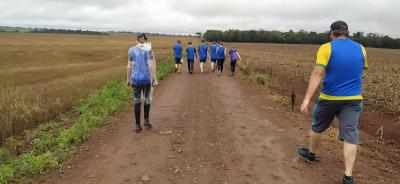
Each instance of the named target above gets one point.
<point>323,114</point>
<point>176,65</point>
<point>315,139</point>
<point>232,68</point>
<point>219,65</point>
<point>147,101</point>
<point>201,67</point>
<point>212,66</point>
<point>179,68</point>
<point>188,62</point>
<point>222,65</point>
<point>348,132</point>
<point>137,93</point>
<point>349,152</point>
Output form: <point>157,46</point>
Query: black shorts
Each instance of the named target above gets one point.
<point>203,61</point>
<point>221,60</point>
<point>178,60</point>
<point>190,60</point>
<point>213,60</point>
<point>348,113</point>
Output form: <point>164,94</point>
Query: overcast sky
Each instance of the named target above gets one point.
<point>189,16</point>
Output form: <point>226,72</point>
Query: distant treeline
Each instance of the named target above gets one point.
<point>299,37</point>
<point>67,31</point>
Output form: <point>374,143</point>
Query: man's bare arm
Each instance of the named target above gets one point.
<point>128,74</point>
<point>315,80</point>
<point>152,69</point>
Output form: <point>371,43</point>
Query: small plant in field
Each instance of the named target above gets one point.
<point>243,68</point>
<point>4,156</point>
<point>261,79</point>
<point>12,145</point>
<point>6,173</point>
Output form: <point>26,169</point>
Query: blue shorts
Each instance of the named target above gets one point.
<point>347,112</point>
<point>178,60</point>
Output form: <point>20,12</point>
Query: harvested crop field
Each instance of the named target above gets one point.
<point>43,75</point>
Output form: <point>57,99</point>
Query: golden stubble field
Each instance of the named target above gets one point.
<point>291,66</point>
<point>43,75</point>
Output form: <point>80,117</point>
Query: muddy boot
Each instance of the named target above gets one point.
<point>138,128</point>
<point>146,116</point>
<point>137,117</point>
<point>147,124</point>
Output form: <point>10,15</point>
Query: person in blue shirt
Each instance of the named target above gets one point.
<point>203,55</point>
<point>178,56</point>
<point>141,77</point>
<point>213,55</point>
<point>191,54</point>
<point>234,57</point>
<point>221,53</point>
<point>340,65</point>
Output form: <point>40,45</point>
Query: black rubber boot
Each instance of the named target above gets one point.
<point>146,116</point>
<point>137,117</point>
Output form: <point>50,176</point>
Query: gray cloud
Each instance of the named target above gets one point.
<point>188,16</point>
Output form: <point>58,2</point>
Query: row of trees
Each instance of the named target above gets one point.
<point>67,31</point>
<point>299,37</point>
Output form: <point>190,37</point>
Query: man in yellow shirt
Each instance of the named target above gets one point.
<point>340,65</point>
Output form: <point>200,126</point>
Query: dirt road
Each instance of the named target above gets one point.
<point>223,132</point>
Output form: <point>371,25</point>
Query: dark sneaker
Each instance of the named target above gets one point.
<point>147,124</point>
<point>348,180</point>
<point>306,154</point>
<point>138,129</point>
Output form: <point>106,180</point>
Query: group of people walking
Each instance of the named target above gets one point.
<point>340,65</point>
<point>216,53</point>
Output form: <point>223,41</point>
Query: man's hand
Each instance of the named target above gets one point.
<point>128,84</point>
<point>304,106</point>
<point>154,83</point>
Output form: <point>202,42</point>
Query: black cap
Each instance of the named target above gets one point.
<point>339,27</point>
<point>142,35</point>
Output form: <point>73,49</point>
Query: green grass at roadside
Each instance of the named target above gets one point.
<point>254,77</point>
<point>165,68</point>
<point>51,144</point>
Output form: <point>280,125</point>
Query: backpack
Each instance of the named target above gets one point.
<point>140,74</point>
<point>235,56</point>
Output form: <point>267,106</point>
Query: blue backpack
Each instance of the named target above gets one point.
<point>234,55</point>
<point>140,74</point>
